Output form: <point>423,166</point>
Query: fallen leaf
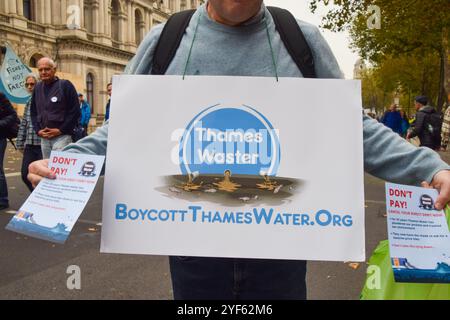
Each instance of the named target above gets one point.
<point>354,265</point>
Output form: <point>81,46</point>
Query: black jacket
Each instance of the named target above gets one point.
<point>420,128</point>
<point>55,105</point>
<point>8,115</point>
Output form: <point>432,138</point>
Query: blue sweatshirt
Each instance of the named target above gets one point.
<point>245,51</point>
<point>393,120</point>
<point>85,113</point>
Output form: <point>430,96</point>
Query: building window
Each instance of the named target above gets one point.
<point>90,90</point>
<point>34,60</point>
<point>28,9</point>
<point>138,26</point>
<point>88,19</point>
<point>183,5</point>
<point>115,12</point>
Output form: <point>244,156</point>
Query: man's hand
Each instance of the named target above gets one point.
<point>53,133</point>
<point>38,170</point>
<point>441,182</point>
<point>48,133</point>
<point>42,133</point>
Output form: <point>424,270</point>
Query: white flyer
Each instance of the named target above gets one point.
<point>235,167</point>
<point>419,237</point>
<point>53,208</point>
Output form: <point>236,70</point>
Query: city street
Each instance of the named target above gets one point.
<point>36,269</point>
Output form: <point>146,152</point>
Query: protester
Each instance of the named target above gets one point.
<point>404,124</point>
<point>85,113</point>
<point>445,131</point>
<point>28,142</point>
<point>238,38</point>
<point>8,118</point>
<point>108,104</point>
<point>427,125</point>
<point>392,119</point>
<point>55,108</point>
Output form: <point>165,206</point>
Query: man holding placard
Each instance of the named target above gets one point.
<point>239,38</point>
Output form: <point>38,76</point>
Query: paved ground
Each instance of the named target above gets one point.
<point>36,269</point>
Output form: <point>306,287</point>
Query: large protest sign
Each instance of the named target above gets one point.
<point>235,167</point>
<point>12,77</point>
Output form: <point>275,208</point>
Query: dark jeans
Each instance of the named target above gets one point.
<point>195,278</point>
<point>3,186</point>
<point>30,154</point>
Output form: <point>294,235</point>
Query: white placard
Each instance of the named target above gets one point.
<point>235,167</point>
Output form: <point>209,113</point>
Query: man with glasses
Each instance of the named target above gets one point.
<point>28,142</point>
<point>55,108</point>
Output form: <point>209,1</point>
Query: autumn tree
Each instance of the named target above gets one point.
<point>413,28</point>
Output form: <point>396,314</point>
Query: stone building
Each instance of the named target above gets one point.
<point>91,40</point>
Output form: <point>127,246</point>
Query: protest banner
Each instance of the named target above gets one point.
<point>12,77</point>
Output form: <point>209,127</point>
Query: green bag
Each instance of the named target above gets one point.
<point>385,288</point>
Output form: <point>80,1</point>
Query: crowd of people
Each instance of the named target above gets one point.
<point>427,124</point>
<point>54,116</point>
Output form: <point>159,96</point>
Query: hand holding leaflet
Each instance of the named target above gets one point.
<point>419,237</point>
<point>53,208</point>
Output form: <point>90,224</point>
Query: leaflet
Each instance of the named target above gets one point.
<point>419,237</point>
<point>53,208</point>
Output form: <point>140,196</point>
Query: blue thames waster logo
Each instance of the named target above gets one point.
<point>239,139</point>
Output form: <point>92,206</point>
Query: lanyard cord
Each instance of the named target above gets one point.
<point>192,45</point>
<point>271,50</point>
